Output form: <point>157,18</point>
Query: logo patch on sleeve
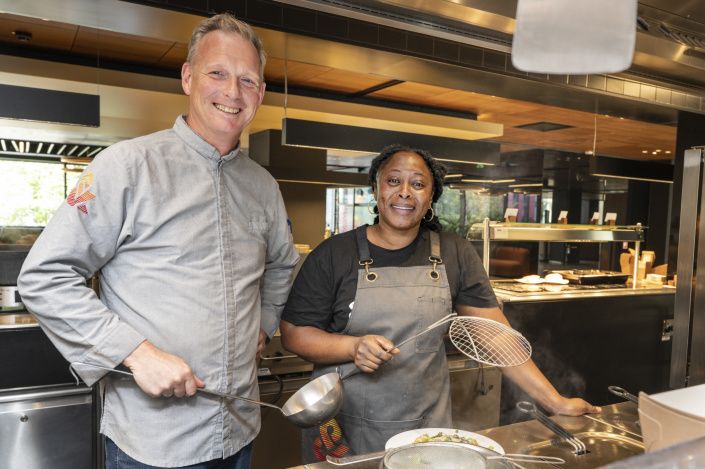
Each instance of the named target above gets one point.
<point>81,194</point>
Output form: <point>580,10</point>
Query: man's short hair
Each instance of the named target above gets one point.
<point>228,23</point>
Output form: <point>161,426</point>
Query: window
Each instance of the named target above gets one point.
<point>32,191</point>
<point>349,207</point>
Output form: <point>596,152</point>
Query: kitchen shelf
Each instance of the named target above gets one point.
<point>507,231</point>
<point>557,232</point>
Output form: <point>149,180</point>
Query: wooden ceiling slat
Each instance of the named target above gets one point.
<point>175,56</point>
<point>52,35</point>
<point>90,41</point>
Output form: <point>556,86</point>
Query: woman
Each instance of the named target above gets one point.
<point>359,292</point>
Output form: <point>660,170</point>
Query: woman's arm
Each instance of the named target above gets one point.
<point>529,378</point>
<point>321,347</point>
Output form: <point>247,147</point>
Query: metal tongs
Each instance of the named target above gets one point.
<point>579,447</point>
<point>623,393</point>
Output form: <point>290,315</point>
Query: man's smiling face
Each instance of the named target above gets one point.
<point>224,87</point>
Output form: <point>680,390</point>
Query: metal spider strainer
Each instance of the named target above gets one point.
<point>489,342</point>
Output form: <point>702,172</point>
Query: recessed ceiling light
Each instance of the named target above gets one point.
<point>644,151</point>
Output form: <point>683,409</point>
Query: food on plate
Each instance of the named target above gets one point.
<point>451,438</point>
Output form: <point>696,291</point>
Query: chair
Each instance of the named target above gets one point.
<point>509,261</point>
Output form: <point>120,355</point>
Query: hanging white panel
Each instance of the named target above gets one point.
<point>574,37</point>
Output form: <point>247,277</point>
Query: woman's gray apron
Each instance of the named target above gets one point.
<point>413,389</point>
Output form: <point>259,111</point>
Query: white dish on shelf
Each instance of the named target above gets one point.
<point>556,279</point>
<point>531,280</point>
<point>408,437</point>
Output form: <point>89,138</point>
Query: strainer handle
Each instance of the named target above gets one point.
<point>516,457</point>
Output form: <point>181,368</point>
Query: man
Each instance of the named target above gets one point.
<point>196,258</point>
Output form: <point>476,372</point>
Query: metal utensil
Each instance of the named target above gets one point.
<point>444,320</point>
<point>348,460</point>
<point>322,398</point>
<point>623,393</point>
<point>529,408</point>
<point>447,455</point>
<point>489,342</point>
<point>311,405</point>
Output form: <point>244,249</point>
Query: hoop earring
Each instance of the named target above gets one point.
<point>432,215</point>
<point>371,209</point>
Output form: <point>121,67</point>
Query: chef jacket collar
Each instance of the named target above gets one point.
<point>200,146</point>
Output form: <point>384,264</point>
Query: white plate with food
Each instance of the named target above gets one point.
<point>450,435</point>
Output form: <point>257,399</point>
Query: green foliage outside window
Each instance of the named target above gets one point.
<point>31,192</point>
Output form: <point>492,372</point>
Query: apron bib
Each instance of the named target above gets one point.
<point>413,389</point>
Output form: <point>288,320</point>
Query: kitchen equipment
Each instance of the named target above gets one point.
<point>10,299</point>
<point>481,339</point>
<point>591,276</point>
<point>672,417</point>
<point>51,426</point>
<point>442,455</point>
<point>489,342</point>
<point>623,393</point>
<point>314,403</point>
<point>410,436</point>
<point>529,408</point>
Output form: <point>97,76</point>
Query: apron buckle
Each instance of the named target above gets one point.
<point>370,276</point>
<point>434,273</point>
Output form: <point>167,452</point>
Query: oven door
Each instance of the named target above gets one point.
<point>51,427</point>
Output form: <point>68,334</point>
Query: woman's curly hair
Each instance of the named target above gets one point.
<point>437,169</point>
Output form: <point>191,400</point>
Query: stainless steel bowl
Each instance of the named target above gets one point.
<point>318,401</point>
<point>436,455</point>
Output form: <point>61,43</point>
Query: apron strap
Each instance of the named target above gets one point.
<point>436,246</point>
<point>435,256</point>
<point>363,252</point>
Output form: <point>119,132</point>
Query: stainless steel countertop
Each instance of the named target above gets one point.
<point>20,320</point>
<point>612,435</point>
<point>509,297</point>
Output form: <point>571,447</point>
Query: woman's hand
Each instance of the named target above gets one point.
<point>573,406</point>
<point>370,351</point>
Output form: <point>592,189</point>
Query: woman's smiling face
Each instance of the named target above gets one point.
<point>404,191</point>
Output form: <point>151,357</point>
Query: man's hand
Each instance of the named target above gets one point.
<point>261,342</point>
<point>159,373</point>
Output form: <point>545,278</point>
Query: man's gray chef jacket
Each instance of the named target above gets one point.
<point>195,254</point>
